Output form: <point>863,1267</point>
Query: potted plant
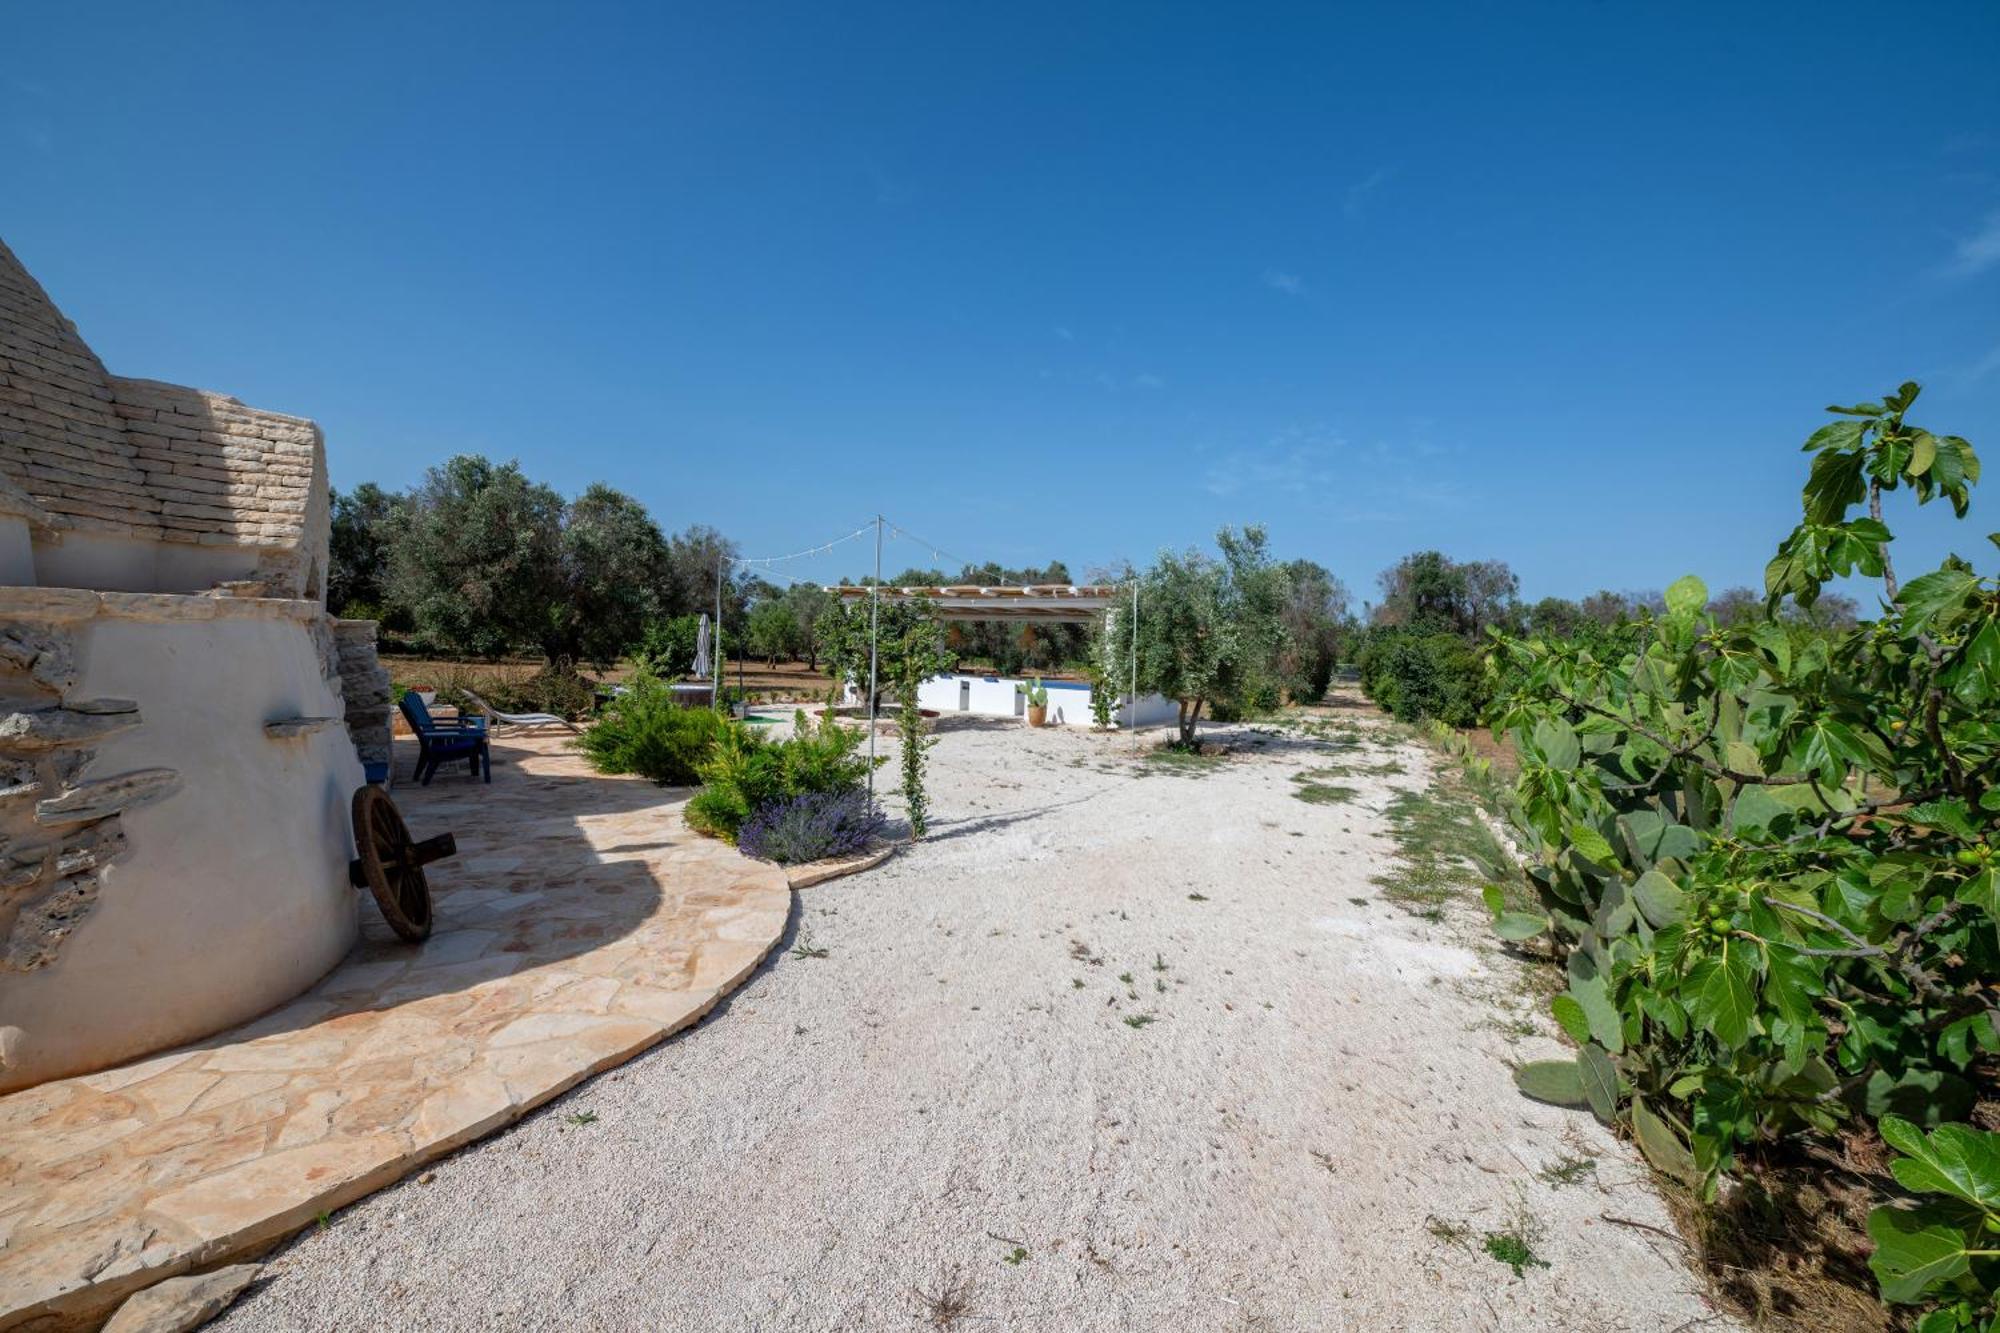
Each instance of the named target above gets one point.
<point>1038,702</point>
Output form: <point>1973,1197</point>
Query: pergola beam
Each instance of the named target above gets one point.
<point>1047,603</point>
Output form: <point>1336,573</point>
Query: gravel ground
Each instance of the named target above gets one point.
<point>1119,1047</point>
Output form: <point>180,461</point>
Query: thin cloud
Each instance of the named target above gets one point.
<point>1290,284</point>
<point>1148,381</point>
<point>1978,252</point>
<point>1294,462</point>
<point>1357,194</point>
<point>1346,481</point>
<point>1981,369</point>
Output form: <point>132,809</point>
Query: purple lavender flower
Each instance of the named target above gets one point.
<point>810,826</point>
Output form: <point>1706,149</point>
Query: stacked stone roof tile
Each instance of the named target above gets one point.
<point>138,457</point>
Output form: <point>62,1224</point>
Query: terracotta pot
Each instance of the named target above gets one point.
<point>1038,715</point>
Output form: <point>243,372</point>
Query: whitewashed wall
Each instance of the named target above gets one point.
<point>998,696</point>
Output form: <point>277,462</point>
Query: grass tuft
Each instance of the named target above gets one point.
<point>949,1303</point>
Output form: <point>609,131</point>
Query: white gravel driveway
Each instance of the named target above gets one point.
<point>1118,1048</point>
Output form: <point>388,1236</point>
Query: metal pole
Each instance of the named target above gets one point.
<point>715,668</point>
<point>1134,701</point>
<point>874,618</point>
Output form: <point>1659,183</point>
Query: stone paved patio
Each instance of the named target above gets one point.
<point>581,923</point>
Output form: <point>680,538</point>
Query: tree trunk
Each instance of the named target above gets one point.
<point>1190,717</point>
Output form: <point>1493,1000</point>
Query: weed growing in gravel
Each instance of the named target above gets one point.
<point>1184,763</point>
<point>1197,897</point>
<point>1313,793</point>
<point>951,1302</point>
<point>1514,1029</point>
<point>1014,1256</point>
<point>803,949</point>
<point>1451,1233</point>
<point>582,1118</point>
<point>1076,983</point>
<point>1125,977</point>
<point>1159,962</point>
<point>1514,1250</point>
<point>1514,1244</point>
<point>1138,1020</point>
<point>1566,1171</point>
<point>1444,852</point>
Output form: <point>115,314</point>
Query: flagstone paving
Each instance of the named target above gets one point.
<point>580,923</point>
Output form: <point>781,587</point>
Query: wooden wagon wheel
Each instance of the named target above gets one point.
<point>391,866</point>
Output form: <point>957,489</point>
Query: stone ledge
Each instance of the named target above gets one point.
<point>289,728</point>
<point>67,726</point>
<point>67,604</point>
<point>819,872</point>
<point>100,798</point>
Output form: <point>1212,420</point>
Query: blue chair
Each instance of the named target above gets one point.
<point>440,741</point>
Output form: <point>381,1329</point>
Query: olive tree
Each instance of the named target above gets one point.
<point>487,560</point>
<point>1211,631</point>
<point>613,563</point>
<point>773,630</point>
<point>476,555</point>
<point>357,574</point>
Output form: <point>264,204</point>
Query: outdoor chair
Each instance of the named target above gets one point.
<point>518,719</point>
<point>438,741</point>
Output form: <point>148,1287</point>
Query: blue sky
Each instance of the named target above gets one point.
<point>1559,284</point>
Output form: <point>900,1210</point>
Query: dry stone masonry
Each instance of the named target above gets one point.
<point>57,828</point>
<point>364,684</point>
<point>130,458</point>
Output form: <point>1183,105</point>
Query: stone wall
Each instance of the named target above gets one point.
<point>109,457</point>
<point>365,689</point>
<point>58,829</point>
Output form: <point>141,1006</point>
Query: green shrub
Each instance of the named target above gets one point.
<point>644,731</point>
<point>743,774</point>
<point>550,690</point>
<point>667,647</point>
<point>1103,700</point>
<point>1772,867</point>
<point>1417,676</point>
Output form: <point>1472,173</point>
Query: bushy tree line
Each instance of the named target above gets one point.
<point>1426,653</point>
<point>479,560</point>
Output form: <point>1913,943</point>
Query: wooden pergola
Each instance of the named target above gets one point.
<point>1046,602</point>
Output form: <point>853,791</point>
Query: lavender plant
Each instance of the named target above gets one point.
<point>811,826</point>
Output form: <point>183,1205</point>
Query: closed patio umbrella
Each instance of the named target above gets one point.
<point>701,649</point>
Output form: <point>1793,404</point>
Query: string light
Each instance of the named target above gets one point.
<point>821,549</point>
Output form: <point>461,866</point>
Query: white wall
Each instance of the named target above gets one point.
<point>998,696</point>
<point>111,563</point>
<point>233,897</point>
<point>17,552</point>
